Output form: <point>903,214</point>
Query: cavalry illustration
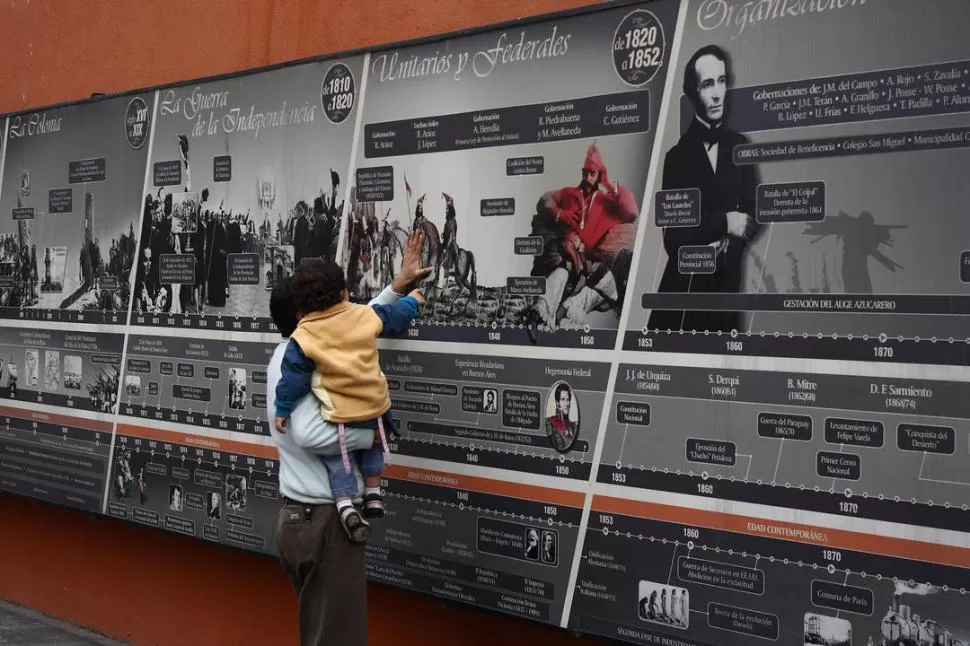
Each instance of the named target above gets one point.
<point>376,250</point>
<point>585,230</point>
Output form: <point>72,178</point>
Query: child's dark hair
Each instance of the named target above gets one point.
<point>317,285</point>
<point>282,309</point>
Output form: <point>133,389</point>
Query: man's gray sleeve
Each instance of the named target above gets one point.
<point>387,297</point>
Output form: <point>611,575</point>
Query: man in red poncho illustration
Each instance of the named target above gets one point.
<point>588,233</point>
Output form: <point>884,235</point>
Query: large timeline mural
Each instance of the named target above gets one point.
<point>694,365</point>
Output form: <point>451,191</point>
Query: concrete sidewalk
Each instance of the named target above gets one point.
<point>21,626</point>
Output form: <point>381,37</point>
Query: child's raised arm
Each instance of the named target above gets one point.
<point>294,383</point>
<point>397,317</point>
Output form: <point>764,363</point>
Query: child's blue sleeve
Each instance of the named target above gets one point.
<point>294,383</point>
<point>397,317</point>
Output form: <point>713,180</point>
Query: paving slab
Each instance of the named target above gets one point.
<point>21,626</point>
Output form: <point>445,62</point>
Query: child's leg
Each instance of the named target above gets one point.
<point>343,485</point>
<point>371,464</point>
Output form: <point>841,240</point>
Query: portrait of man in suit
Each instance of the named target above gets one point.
<point>490,405</point>
<point>532,544</point>
<point>703,159</point>
<point>214,508</point>
<point>562,418</point>
<point>175,497</point>
<point>549,548</point>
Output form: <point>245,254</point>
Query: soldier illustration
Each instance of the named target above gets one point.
<point>122,474</point>
<point>12,379</point>
<point>419,218</point>
<point>560,429</point>
<point>449,242</point>
<point>452,259</point>
<point>588,233</point>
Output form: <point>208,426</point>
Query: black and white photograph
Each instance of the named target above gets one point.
<point>236,493</point>
<point>267,169</point>
<point>490,403</point>
<point>128,476</point>
<point>726,192</point>
<point>824,630</point>
<point>72,372</point>
<point>83,204</point>
<point>122,476</point>
<point>133,385</point>
<point>213,505</point>
<point>185,207</point>
<point>561,417</point>
<point>9,265</point>
<point>176,501</point>
<point>237,388</point>
<point>921,614</point>
<point>12,377</point>
<point>52,370</point>
<point>279,262</point>
<point>103,388</point>
<point>549,554</point>
<point>663,604</point>
<point>533,547</point>
<point>31,368</point>
<point>55,265</point>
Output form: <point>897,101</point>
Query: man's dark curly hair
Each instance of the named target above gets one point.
<point>317,285</point>
<point>282,309</point>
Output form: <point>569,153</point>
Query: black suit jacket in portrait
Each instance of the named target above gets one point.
<point>729,188</point>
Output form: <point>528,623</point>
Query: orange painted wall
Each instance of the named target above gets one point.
<point>151,587</point>
<point>67,49</point>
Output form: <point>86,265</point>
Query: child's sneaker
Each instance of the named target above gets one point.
<point>373,505</point>
<point>358,530</point>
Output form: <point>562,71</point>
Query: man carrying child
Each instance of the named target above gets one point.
<point>325,568</point>
<point>333,353</point>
